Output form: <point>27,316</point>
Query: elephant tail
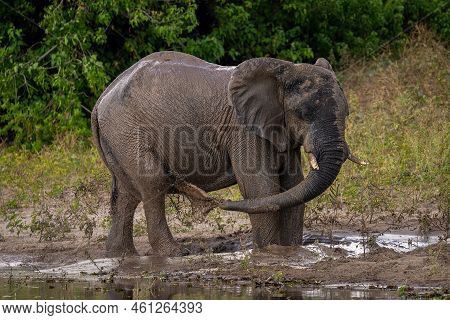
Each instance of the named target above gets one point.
<point>96,133</point>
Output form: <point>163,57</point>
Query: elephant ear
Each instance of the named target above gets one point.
<point>255,92</point>
<point>321,62</point>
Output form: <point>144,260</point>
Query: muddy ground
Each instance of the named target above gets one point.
<point>225,255</point>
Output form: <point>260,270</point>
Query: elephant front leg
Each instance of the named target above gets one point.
<point>291,219</point>
<point>265,226</point>
<point>256,170</point>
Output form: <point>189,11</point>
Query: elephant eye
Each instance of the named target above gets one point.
<point>306,113</point>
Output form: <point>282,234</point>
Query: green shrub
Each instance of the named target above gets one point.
<point>56,57</point>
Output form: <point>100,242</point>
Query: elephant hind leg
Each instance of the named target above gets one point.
<point>153,187</point>
<point>159,234</point>
<point>123,205</point>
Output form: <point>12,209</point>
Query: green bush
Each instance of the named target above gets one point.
<point>56,57</point>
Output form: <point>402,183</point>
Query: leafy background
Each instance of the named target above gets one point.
<point>56,57</point>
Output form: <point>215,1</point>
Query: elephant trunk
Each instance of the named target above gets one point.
<point>330,155</point>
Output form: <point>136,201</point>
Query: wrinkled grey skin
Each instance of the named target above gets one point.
<point>257,115</point>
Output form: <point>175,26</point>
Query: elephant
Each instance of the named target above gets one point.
<point>173,123</point>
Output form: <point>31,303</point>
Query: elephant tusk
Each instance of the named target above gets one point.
<point>313,161</point>
<point>355,159</point>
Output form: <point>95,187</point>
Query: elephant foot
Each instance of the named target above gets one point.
<point>282,250</point>
<point>121,253</point>
<point>174,250</point>
<point>120,250</point>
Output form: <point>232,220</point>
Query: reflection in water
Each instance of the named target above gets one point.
<point>144,289</point>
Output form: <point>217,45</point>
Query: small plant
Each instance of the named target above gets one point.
<point>179,208</point>
<point>278,277</point>
<point>407,292</point>
<point>47,225</point>
<point>14,222</point>
<point>105,222</point>
<point>245,262</point>
<point>216,220</point>
<point>87,224</point>
<point>139,227</point>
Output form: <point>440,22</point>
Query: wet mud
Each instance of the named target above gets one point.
<point>345,266</point>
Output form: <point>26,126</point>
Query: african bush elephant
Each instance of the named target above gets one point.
<point>173,117</point>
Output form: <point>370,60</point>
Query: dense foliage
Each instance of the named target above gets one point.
<point>56,57</point>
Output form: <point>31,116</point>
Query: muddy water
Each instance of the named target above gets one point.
<point>356,245</point>
<point>140,277</point>
<point>137,290</point>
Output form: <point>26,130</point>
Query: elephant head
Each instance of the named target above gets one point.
<point>291,105</point>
